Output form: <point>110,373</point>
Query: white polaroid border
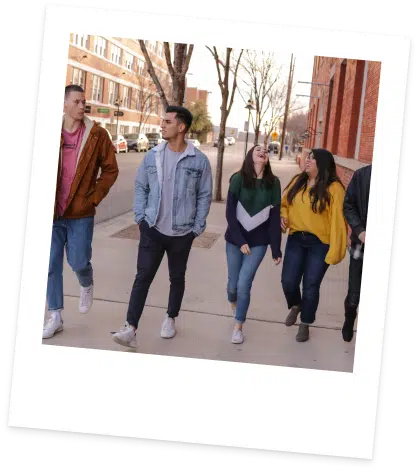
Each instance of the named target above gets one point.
<point>121,394</point>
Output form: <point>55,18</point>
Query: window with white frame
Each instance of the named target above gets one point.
<point>81,40</point>
<point>100,46</point>
<point>141,67</point>
<point>160,49</point>
<point>129,61</point>
<point>126,96</point>
<point>113,92</point>
<point>78,77</point>
<point>97,88</point>
<point>116,54</point>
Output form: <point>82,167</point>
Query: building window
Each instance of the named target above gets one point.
<point>161,49</point>
<point>156,106</point>
<point>113,92</point>
<point>81,40</point>
<point>124,129</point>
<point>141,67</point>
<point>78,77</point>
<point>116,54</point>
<point>100,46</point>
<point>126,97</point>
<point>135,130</point>
<point>129,61</point>
<point>97,88</point>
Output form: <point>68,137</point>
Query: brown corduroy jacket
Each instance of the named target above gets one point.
<point>87,190</point>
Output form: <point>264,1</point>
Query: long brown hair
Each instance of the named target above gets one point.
<point>248,173</point>
<point>319,193</point>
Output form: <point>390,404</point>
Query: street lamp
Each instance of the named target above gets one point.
<point>266,125</point>
<point>249,107</point>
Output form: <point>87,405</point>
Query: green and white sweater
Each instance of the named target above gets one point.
<point>253,215</point>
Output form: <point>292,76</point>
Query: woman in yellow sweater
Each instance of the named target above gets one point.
<point>312,211</point>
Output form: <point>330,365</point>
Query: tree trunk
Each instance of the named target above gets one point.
<point>220,155</point>
<point>257,132</point>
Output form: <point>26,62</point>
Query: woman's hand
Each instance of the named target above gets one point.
<point>284,223</point>
<point>245,249</point>
<point>277,260</point>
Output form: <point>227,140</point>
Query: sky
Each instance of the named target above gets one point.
<point>202,73</point>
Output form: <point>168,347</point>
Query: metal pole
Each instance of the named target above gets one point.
<point>286,108</point>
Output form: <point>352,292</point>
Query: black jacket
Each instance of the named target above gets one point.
<point>355,205</point>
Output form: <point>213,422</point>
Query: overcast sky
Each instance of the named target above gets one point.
<point>203,74</point>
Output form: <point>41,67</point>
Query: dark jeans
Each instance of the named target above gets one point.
<point>354,288</point>
<point>152,247</point>
<point>304,259</point>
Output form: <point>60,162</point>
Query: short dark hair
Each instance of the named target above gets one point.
<point>182,114</point>
<point>72,88</point>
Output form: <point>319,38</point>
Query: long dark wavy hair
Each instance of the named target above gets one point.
<point>319,193</point>
<point>248,173</point>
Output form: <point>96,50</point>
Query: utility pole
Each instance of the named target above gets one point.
<point>287,104</point>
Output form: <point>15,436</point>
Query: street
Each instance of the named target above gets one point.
<point>120,198</point>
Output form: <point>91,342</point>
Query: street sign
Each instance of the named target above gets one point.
<point>275,136</point>
<point>103,110</point>
<point>88,108</point>
<point>246,126</point>
<point>118,113</point>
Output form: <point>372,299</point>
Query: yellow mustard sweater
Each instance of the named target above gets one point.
<point>329,226</point>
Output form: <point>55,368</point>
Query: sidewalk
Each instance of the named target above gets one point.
<point>205,323</point>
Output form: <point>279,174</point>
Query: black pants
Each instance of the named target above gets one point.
<point>152,247</point>
<point>354,288</point>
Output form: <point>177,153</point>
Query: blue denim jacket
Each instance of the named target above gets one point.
<point>192,189</point>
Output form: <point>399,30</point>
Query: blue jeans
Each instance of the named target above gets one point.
<point>241,272</point>
<point>304,259</point>
<point>75,236</point>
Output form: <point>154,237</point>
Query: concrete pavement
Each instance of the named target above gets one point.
<point>205,323</point>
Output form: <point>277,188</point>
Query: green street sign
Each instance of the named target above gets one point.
<point>103,110</point>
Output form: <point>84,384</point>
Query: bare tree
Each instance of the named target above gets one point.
<point>276,109</point>
<point>144,100</point>
<point>258,78</point>
<point>296,125</point>
<point>224,68</point>
<point>177,70</point>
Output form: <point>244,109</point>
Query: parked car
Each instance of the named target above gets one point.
<point>274,147</point>
<point>194,142</point>
<point>231,140</point>
<point>119,143</point>
<point>136,142</point>
<point>153,139</point>
<point>226,143</point>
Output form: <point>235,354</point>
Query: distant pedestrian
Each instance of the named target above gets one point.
<point>355,209</point>
<point>172,198</point>
<point>312,210</point>
<point>84,149</point>
<point>253,217</point>
<point>286,149</point>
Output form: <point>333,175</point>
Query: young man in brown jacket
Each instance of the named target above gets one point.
<point>85,148</point>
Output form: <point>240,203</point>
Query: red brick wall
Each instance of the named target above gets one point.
<point>350,108</point>
<point>370,112</point>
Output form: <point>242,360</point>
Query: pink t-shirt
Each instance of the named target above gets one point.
<point>71,147</point>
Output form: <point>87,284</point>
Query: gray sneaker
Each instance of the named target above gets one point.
<point>126,336</point>
<point>168,329</point>
<point>237,337</point>
<point>303,333</point>
<point>292,316</point>
<point>53,325</point>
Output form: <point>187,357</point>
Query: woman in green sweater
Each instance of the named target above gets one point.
<point>253,217</point>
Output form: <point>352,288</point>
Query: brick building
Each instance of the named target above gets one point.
<point>193,95</point>
<point>342,112</point>
<point>114,70</point>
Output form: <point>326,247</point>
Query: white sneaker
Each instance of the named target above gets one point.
<point>53,325</point>
<point>168,329</point>
<point>126,336</point>
<point>237,337</point>
<point>86,299</point>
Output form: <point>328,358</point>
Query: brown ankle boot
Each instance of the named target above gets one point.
<point>292,316</point>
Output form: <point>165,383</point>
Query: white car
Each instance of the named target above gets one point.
<point>194,142</point>
<point>119,143</point>
<point>231,140</point>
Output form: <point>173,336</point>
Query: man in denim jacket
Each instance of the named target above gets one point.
<point>173,191</point>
